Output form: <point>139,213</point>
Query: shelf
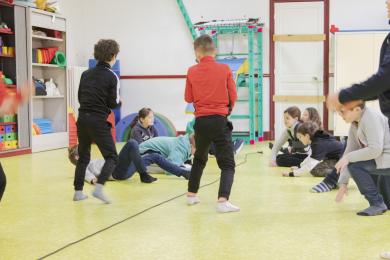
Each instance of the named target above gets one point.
<point>6,32</point>
<point>50,141</point>
<point>47,65</point>
<point>8,123</point>
<point>47,38</point>
<point>6,56</point>
<point>46,97</point>
<point>39,11</point>
<point>5,3</point>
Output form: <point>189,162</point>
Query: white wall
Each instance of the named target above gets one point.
<point>154,39</point>
<point>358,14</point>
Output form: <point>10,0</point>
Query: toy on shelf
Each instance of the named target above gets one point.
<point>6,50</point>
<point>52,7</point>
<point>48,88</point>
<point>40,88</point>
<point>5,80</point>
<point>52,89</point>
<point>49,55</point>
<point>44,125</point>
<point>42,32</point>
<point>4,28</point>
<point>8,133</point>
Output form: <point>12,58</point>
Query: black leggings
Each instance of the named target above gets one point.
<point>290,160</point>
<point>3,182</point>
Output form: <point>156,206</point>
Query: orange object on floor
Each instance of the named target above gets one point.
<point>73,128</point>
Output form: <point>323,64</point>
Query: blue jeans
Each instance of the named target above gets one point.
<point>164,164</point>
<point>366,182</point>
<point>129,156</point>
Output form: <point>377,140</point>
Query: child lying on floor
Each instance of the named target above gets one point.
<point>131,160</point>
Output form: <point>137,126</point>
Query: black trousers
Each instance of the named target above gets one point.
<point>94,128</point>
<point>3,181</point>
<point>290,160</point>
<point>216,129</point>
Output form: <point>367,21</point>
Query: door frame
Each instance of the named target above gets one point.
<point>272,61</point>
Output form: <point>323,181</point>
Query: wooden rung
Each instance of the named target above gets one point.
<point>299,99</point>
<point>299,37</point>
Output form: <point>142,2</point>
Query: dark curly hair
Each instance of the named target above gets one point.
<point>106,50</point>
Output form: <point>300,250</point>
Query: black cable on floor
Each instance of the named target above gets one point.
<point>141,212</point>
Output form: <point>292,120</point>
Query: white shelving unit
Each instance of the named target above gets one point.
<point>48,107</point>
<point>47,65</point>
<point>47,38</point>
<point>46,97</point>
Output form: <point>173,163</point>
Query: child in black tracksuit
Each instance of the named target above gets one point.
<point>98,94</point>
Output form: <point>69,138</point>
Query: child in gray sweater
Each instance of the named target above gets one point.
<point>368,149</point>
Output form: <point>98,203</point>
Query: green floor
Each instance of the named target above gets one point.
<point>279,218</point>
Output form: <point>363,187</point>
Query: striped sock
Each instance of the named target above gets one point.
<point>322,187</point>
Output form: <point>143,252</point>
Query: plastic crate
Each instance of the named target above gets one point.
<point>8,119</point>
<point>14,144</point>
<point>8,145</point>
<point>10,129</point>
<point>11,136</point>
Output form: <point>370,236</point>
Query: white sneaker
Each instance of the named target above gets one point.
<point>226,206</point>
<point>385,255</point>
<point>192,200</point>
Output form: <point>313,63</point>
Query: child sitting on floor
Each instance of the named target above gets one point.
<point>296,151</point>
<point>325,151</point>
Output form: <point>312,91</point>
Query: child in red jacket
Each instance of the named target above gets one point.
<point>210,87</point>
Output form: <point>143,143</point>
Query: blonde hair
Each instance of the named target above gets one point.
<point>204,43</point>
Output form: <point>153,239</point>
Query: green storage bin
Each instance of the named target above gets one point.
<point>8,119</point>
<point>11,137</point>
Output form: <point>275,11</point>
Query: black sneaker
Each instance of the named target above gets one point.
<point>147,178</point>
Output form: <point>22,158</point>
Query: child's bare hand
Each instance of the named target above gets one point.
<point>94,181</point>
<point>333,103</point>
<point>343,191</point>
<point>272,164</point>
<point>341,164</point>
<point>9,106</point>
<point>26,91</point>
<point>285,174</point>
